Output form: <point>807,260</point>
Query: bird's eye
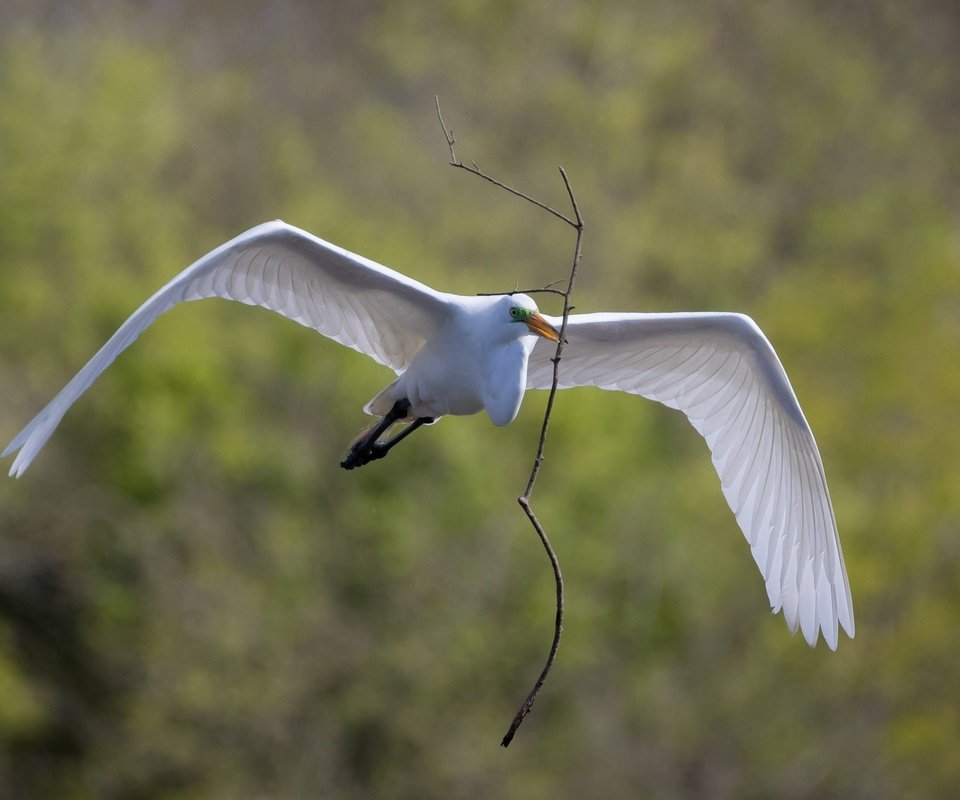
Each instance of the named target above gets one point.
<point>514,312</point>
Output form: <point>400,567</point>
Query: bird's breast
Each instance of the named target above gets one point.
<point>443,379</point>
<point>505,379</point>
<point>459,377</point>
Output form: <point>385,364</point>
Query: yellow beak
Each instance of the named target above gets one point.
<point>538,325</point>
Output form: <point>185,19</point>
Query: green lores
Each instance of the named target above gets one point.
<point>521,314</point>
<point>536,322</point>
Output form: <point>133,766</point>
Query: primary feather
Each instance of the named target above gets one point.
<point>720,370</point>
<point>351,299</point>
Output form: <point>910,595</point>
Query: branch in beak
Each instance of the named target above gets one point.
<point>539,325</point>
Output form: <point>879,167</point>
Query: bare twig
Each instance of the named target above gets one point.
<point>524,500</point>
<point>577,224</point>
<point>475,170</point>
<point>548,289</point>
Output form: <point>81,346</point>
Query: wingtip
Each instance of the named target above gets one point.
<point>828,628</point>
<point>19,466</point>
<point>26,446</point>
<point>850,628</point>
<point>9,450</point>
<point>851,634</point>
<point>831,636</point>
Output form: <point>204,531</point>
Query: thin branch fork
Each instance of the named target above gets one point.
<point>524,500</point>
<point>474,169</point>
<point>548,289</point>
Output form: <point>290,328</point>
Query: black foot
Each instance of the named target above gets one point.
<point>369,448</point>
<point>360,454</point>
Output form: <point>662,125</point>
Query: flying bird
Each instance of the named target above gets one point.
<point>456,355</point>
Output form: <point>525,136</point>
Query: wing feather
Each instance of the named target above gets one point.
<point>346,297</point>
<point>721,372</point>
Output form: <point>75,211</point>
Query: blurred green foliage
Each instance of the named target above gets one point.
<point>196,602</point>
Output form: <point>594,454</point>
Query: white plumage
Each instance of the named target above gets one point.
<point>460,355</point>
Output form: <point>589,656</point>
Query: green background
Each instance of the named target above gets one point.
<point>197,602</point>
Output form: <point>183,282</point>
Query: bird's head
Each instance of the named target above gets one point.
<point>521,309</point>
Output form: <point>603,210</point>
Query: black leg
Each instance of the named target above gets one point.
<point>358,455</point>
<point>369,449</point>
<point>380,449</point>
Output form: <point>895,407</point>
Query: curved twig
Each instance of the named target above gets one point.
<point>548,289</point>
<point>577,224</point>
<point>474,169</point>
<point>541,290</point>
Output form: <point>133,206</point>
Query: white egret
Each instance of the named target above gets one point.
<point>459,355</point>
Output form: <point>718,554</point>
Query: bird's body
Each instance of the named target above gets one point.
<point>457,355</point>
<point>460,370</point>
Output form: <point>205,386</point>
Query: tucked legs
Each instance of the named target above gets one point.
<point>368,448</point>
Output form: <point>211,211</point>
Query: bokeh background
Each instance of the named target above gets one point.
<point>196,602</point>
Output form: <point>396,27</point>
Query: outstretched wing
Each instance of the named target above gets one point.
<point>720,370</point>
<point>346,297</point>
